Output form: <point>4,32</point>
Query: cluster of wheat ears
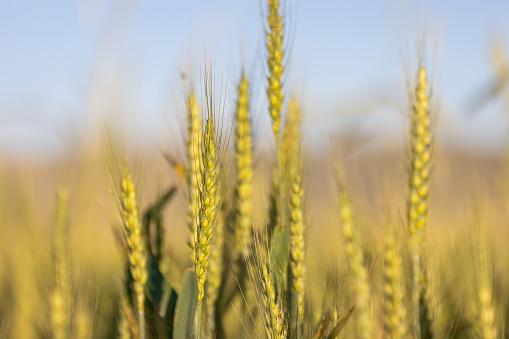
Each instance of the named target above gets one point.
<point>260,272</point>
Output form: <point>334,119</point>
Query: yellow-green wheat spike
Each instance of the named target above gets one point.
<point>123,327</point>
<point>291,136</point>
<point>486,312</point>
<point>61,297</point>
<point>419,176</point>
<point>356,266</point>
<point>420,162</point>
<point>82,324</point>
<point>193,174</point>
<point>244,161</point>
<point>486,317</point>
<point>275,63</point>
<point>274,321</point>
<point>290,156</point>
<point>136,247</point>
<point>215,273</point>
<point>274,208</point>
<point>124,330</point>
<point>275,96</point>
<point>208,210</point>
<point>394,306</point>
<point>297,248</point>
<point>208,205</point>
<point>25,309</point>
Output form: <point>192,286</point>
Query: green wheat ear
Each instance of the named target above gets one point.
<point>136,251</point>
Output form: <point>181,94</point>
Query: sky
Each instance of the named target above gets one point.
<point>67,66</point>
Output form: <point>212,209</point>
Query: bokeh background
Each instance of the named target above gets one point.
<point>66,65</point>
<point>69,70</point>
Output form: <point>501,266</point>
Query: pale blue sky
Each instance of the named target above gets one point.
<point>62,62</point>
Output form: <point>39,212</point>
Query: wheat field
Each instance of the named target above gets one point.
<point>219,238</point>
